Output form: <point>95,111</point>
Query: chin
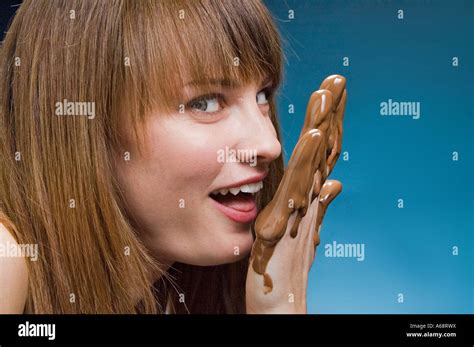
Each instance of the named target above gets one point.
<point>221,249</point>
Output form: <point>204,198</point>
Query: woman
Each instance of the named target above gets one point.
<point>123,123</point>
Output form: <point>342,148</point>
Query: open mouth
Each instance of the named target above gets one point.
<point>238,203</point>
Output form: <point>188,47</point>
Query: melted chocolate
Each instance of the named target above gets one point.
<point>311,162</point>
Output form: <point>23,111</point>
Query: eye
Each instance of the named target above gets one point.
<point>207,103</point>
<point>264,96</point>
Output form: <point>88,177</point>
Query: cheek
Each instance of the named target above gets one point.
<point>185,158</point>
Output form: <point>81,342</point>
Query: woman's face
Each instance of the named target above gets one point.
<point>211,143</point>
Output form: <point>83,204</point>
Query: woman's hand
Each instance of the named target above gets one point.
<point>287,230</point>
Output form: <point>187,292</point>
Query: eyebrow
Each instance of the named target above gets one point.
<point>222,82</point>
<point>212,81</point>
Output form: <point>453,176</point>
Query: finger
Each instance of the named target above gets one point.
<point>318,111</point>
<point>329,191</point>
<point>336,84</point>
<point>318,178</point>
<point>317,184</point>
<point>322,102</point>
<point>335,143</point>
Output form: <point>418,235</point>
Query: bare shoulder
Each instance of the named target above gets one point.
<point>13,275</point>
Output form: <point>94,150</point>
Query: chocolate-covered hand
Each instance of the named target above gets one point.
<point>287,230</point>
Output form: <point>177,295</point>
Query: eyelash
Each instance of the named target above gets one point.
<point>269,92</point>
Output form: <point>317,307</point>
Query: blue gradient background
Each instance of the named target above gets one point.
<point>407,250</point>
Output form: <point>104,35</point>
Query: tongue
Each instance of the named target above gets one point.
<point>243,202</point>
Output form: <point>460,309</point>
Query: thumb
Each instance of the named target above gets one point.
<point>329,191</point>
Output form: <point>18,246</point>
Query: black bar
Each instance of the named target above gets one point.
<point>225,329</point>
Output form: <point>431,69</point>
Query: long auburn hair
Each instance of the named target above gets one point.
<point>57,183</point>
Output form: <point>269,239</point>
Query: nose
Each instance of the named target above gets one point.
<point>258,133</point>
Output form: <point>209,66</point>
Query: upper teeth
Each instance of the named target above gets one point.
<point>246,188</point>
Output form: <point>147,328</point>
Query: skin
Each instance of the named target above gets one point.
<point>13,278</point>
<point>180,164</point>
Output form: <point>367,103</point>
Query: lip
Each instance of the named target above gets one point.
<point>253,179</point>
<point>237,216</point>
